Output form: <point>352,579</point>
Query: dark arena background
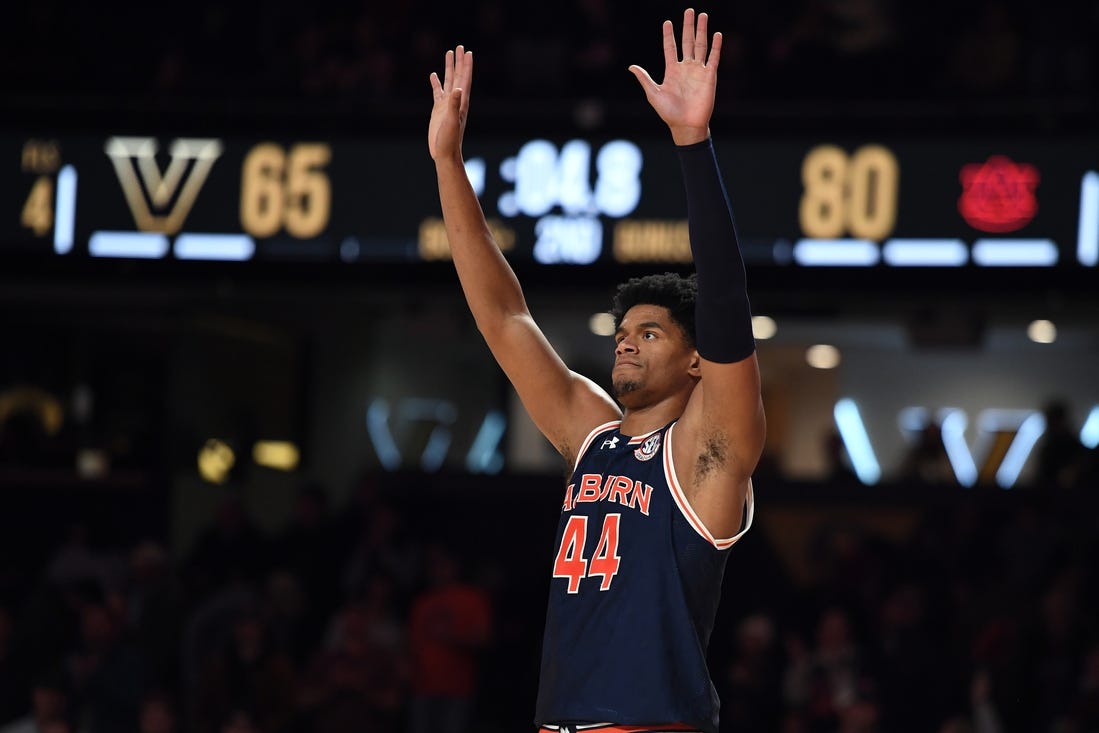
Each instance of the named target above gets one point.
<point>249,433</point>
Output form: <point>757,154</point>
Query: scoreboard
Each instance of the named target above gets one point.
<point>980,206</point>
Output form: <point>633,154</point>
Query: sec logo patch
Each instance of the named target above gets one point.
<point>648,449</point>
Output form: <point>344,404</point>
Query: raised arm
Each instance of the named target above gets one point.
<point>564,405</point>
<point>720,437</point>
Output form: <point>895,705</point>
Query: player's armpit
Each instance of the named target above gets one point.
<point>719,441</point>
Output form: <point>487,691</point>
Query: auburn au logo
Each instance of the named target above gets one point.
<point>998,196</point>
<point>161,200</point>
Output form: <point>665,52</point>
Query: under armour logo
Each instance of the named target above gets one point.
<point>610,443</point>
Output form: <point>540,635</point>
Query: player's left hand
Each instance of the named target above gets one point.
<point>685,99</point>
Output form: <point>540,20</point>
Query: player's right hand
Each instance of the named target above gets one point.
<point>448,114</point>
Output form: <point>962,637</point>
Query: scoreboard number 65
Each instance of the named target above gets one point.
<point>854,193</point>
<point>286,189</point>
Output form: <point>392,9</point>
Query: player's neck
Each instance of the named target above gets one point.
<point>642,420</point>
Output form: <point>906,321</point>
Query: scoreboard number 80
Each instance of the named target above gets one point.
<point>854,193</point>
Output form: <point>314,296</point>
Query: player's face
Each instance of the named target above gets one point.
<point>651,356</point>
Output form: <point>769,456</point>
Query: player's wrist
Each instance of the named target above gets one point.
<point>689,135</point>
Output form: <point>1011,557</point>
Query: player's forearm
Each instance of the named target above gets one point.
<point>723,319</point>
<point>490,286</point>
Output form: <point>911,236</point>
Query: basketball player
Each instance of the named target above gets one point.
<point>661,483</point>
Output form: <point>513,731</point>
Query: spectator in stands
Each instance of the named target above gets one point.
<point>159,713</point>
<point>359,678</point>
<point>306,558</point>
<point>1061,457</point>
<point>837,463</point>
<point>906,654</point>
<point>247,673</point>
<point>381,543</point>
<point>751,688</point>
<point>449,628</point>
<point>13,678</point>
<point>51,701</point>
<point>1086,708</point>
<point>982,716</point>
<point>828,678</point>
<point>230,548</point>
<point>156,604</point>
<point>927,461</point>
<point>108,671</point>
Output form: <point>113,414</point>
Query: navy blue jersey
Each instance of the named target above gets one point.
<point>635,588</point>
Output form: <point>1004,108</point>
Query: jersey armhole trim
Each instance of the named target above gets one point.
<point>688,511</point>
<point>596,431</point>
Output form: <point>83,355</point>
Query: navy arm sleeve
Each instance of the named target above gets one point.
<point>723,316</point>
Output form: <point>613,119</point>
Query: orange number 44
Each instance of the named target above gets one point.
<point>570,562</point>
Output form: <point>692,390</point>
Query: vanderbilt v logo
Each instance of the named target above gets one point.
<point>159,201</point>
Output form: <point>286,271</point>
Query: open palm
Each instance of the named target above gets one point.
<point>451,107</point>
<point>685,99</point>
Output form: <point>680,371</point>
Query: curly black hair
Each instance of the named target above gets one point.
<point>671,290</point>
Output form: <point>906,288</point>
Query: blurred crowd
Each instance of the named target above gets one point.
<point>415,608</point>
<point>367,56</point>
<point>340,621</point>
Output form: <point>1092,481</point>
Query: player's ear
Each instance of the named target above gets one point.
<point>695,367</point>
